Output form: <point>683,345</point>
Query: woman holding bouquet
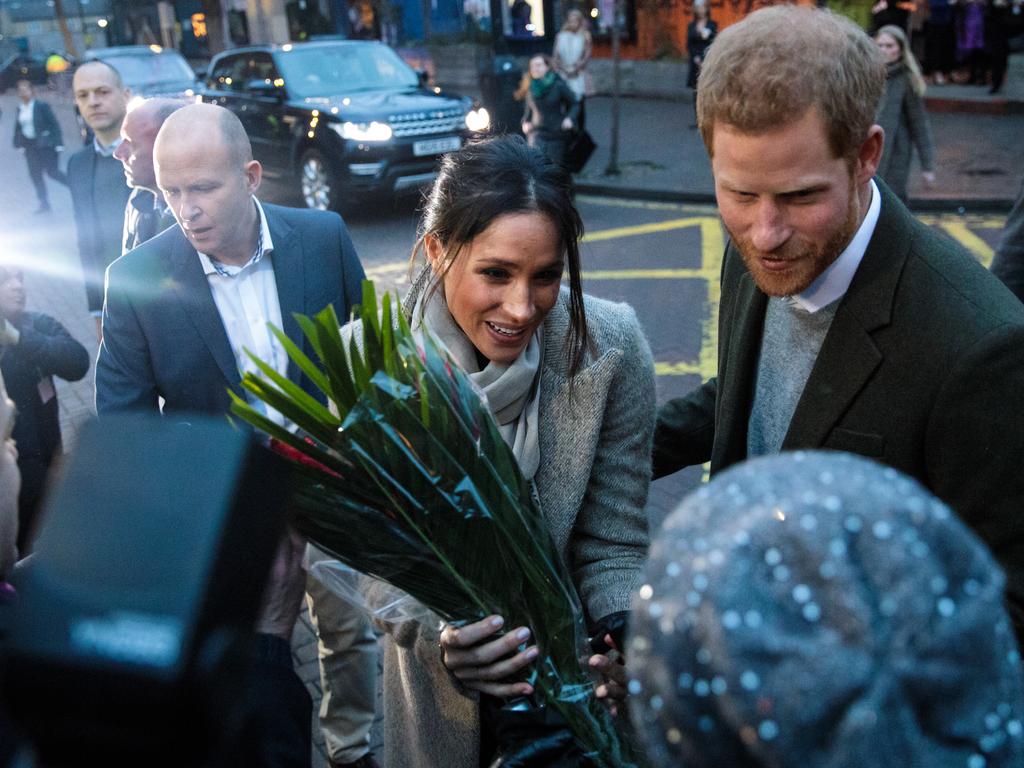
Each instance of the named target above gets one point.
<point>570,382</point>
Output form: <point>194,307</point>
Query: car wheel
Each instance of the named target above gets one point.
<point>319,182</point>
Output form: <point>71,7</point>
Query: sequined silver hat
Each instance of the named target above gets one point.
<point>818,610</point>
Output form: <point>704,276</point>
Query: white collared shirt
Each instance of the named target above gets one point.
<point>107,151</point>
<point>26,113</point>
<point>832,284</point>
<point>246,299</point>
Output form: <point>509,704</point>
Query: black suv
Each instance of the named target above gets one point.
<point>340,120</point>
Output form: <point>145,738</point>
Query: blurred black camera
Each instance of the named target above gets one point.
<point>129,640</point>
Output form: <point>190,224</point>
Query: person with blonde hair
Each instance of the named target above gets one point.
<point>573,46</point>
<point>845,323</point>
<point>902,114</point>
<point>551,108</point>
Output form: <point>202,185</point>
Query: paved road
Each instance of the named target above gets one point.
<point>664,259</point>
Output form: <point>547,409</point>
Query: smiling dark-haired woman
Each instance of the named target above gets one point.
<point>570,381</point>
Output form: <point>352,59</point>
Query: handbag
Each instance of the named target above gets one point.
<point>578,150</point>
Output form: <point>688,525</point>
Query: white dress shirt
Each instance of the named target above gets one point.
<point>106,151</point>
<point>26,113</point>
<point>246,299</point>
<point>834,282</point>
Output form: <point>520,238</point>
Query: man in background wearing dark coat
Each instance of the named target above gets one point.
<point>96,178</point>
<point>37,133</point>
<point>844,322</point>
<point>146,214</point>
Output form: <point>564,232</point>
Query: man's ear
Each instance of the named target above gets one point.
<point>253,175</point>
<point>870,154</point>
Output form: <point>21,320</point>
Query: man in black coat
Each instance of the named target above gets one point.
<point>96,178</point>
<point>38,134</point>
<point>844,323</point>
<point>146,214</point>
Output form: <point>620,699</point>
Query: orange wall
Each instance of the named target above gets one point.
<point>661,25</point>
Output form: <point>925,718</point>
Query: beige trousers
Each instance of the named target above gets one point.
<point>349,659</point>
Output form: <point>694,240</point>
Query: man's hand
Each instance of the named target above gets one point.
<point>929,178</point>
<point>286,586</point>
<point>481,663</point>
<point>614,680</point>
<point>9,335</point>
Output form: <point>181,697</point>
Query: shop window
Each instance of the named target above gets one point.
<point>523,19</point>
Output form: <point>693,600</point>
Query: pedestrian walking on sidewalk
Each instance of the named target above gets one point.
<point>1001,23</point>
<point>552,110</point>
<point>970,39</point>
<point>700,33</point>
<point>940,41</point>
<point>573,46</point>
<point>902,115</point>
<point>37,134</point>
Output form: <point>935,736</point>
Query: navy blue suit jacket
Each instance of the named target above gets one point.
<point>162,333</point>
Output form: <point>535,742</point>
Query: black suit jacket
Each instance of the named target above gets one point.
<point>48,134</point>
<point>922,369</point>
<point>162,333</point>
<point>99,200</point>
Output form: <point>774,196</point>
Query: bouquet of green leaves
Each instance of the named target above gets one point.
<point>411,483</point>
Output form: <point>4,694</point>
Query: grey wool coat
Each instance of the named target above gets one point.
<point>595,446</point>
<point>901,114</point>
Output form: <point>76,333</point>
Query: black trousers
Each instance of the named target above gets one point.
<point>43,161</point>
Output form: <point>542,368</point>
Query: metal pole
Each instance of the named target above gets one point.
<point>613,149</point>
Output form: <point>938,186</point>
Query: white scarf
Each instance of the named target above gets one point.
<point>512,389</point>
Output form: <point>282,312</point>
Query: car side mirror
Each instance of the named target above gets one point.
<point>264,89</point>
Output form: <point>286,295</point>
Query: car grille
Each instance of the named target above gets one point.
<point>425,123</point>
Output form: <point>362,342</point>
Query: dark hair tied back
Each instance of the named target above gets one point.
<point>496,176</point>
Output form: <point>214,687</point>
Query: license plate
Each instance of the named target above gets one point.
<point>436,146</point>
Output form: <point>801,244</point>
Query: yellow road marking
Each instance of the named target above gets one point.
<point>959,231</point>
<point>642,274</point>
<point>644,229</point>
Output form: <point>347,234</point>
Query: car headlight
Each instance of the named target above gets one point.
<point>478,119</point>
<point>363,131</point>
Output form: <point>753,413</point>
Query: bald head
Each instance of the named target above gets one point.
<point>204,168</point>
<point>215,128</point>
<point>138,134</point>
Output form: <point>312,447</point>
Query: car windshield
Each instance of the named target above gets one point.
<point>147,69</point>
<point>329,70</point>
